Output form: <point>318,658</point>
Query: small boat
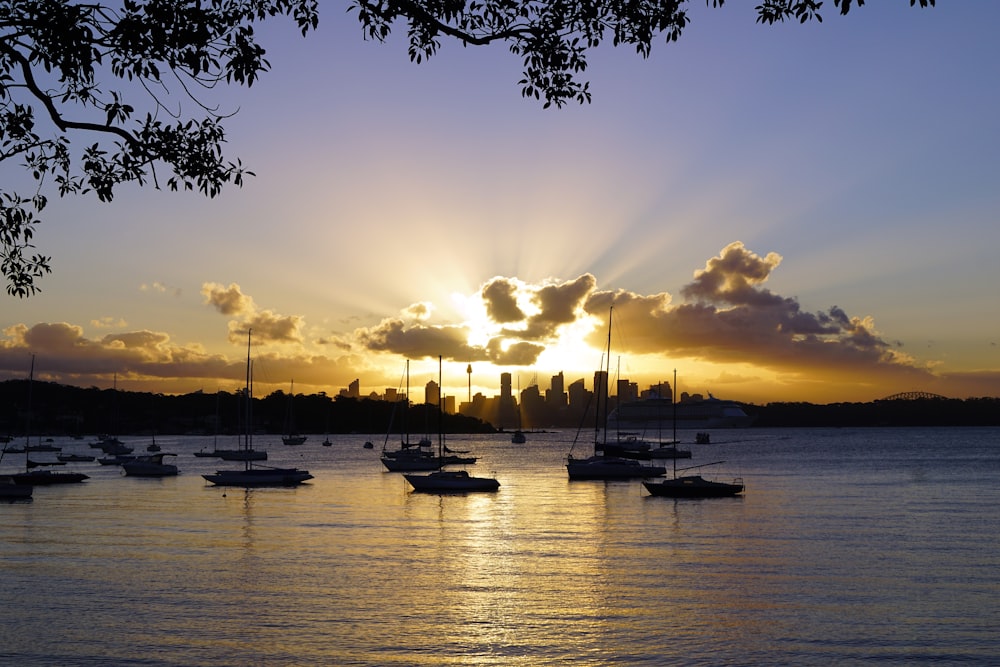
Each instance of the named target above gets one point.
<point>292,438</point>
<point>41,477</point>
<point>150,466</point>
<point>669,452</point>
<point>411,460</point>
<point>43,448</point>
<point>327,443</point>
<point>601,465</point>
<point>251,476</point>
<point>207,455</point>
<point>249,454</point>
<point>703,438</point>
<point>694,486</point>
<point>48,477</point>
<point>409,457</point>
<point>369,444</point>
<point>115,447</point>
<point>75,458</point>
<point>518,437</point>
<point>116,460</point>
<point>259,477</point>
<point>449,481</point>
<point>39,464</point>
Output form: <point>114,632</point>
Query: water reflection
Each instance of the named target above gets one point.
<point>825,559</point>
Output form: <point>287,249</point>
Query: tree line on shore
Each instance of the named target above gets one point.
<point>67,410</point>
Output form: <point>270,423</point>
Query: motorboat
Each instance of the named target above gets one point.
<point>150,466</point>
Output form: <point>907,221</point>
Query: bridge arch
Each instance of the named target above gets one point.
<point>912,396</point>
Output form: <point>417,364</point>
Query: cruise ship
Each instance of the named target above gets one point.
<point>652,413</point>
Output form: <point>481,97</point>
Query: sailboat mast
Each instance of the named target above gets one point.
<point>440,415</point>
<point>606,366</point>
<point>247,443</point>
<point>404,436</point>
<point>27,420</point>
<point>673,400</point>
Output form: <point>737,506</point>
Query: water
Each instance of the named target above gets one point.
<point>850,546</point>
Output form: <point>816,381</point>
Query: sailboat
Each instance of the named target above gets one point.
<point>518,437</point>
<point>600,465</point>
<point>692,486</point>
<point>292,437</point>
<point>237,454</point>
<point>448,481</point>
<point>409,457</point>
<point>259,476</point>
<point>41,477</point>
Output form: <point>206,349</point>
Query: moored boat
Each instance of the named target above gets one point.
<point>601,465</point>
<point>251,476</point>
<point>694,486</point>
<point>150,466</point>
<point>449,481</point>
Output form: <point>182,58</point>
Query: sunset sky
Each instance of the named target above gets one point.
<point>784,213</point>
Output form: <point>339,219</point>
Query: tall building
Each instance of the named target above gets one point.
<point>601,383</point>
<point>556,396</point>
<point>432,393</point>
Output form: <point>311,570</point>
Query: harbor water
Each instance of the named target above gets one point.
<point>849,546</point>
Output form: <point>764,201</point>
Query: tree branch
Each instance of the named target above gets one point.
<point>57,118</point>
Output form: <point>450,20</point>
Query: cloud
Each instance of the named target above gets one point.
<point>108,323</point>
<point>160,288</point>
<point>267,326</point>
<point>500,297</point>
<point>227,300</point>
<point>733,277</point>
<point>727,316</point>
<point>418,341</point>
<point>152,361</point>
<point>558,304</point>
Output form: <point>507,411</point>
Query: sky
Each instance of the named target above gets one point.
<point>778,213</point>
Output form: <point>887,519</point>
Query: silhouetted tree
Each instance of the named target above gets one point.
<point>108,71</point>
<point>120,73</point>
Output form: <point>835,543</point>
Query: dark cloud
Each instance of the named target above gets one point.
<point>267,327</point>
<point>500,297</point>
<point>558,304</point>
<point>733,277</point>
<point>418,341</point>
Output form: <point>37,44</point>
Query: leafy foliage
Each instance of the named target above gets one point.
<point>77,68</point>
<point>72,68</point>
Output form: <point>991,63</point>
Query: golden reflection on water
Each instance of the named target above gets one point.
<point>356,569</point>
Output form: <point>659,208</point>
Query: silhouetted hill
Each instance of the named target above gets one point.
<point>66,410</point>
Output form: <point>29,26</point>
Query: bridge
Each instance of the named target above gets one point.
<point>913,396</point>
